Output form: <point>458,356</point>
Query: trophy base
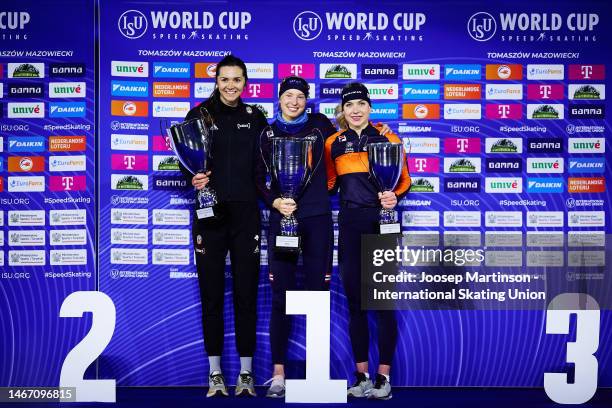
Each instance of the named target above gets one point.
<point>205,213</point>
<point>285,243</point>
<point>390,228</point>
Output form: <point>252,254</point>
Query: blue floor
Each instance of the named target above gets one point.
<point>187,397</point>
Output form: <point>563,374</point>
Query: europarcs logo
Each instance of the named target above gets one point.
<point>481,26</point>
<point>307,25</point>
<point>132,24</point>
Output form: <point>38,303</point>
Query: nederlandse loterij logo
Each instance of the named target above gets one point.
<point>481,26</point>
<point>132,24</point>
<point>307,25</point>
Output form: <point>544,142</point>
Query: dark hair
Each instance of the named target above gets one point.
<point>227,61</point>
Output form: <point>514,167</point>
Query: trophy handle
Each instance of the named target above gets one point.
<point>318,135</point>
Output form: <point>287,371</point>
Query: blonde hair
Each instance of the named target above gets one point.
<point>339,116</point>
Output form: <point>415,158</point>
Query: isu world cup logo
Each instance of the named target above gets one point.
<point>307,25</point>
<point>481,26</point>
<point>132,24</point>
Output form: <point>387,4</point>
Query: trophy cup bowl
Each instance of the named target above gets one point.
<point>386,161</point>
<point>192,142</point>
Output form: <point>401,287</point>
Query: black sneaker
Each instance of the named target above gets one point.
<point>382,388</point>
<point>361,388</point>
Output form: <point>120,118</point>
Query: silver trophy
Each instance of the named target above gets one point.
<point>192,143</point>
<point>291,167</point>
<point>386,162</point>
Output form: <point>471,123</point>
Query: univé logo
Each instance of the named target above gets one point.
<point>132,24</point>
<point>481,26</point>
<point>307,25</point>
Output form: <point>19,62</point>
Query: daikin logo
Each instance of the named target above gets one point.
<point>421,91</point>
<point>67,110</point>
<point>129,88</point>
<point>132,24</point>
<point>545,185</point>
<point>463,72</point>
<point>583,165</point>
<point>171,70</point>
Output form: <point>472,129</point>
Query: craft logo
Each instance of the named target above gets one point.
<point>421,144</point>
<point>130,69</point>
<point>586,145</point>
<point>587,111</point>
<point>462,111</point>
<point>425,185</point>
<point>26,110</point>
<point>547,91</point>
<point>504,165</point>
<point>67,163</point>
<point>503,185</point>
<point>545,185</point>
<point>30,144</point>
<point>338,71</point>
<point>260,70</point>
<point>462,72</point>
<point>586,184</point>
<point>330,91</point>
<point>129,108</point>
<point>545,111</point>
<point>205,69</point>
<point>382,91</point>
<point>130,88</point>
<point>306,71</point>
<point>129,182</point>
<point>171,109</point>
<point>67,143</point>
<point>504,92</point>
<point>130,142</point>
<point>23,90</point>
<point>26,184</point>
<point>462,91</point>
<point>258,91</point>
<point>379,71</point>
<point>171,70</point>
<point>421,71</point>
<point>504,145</point>
<point>183,25</point>
<point>545,145</point>
<point>545,165</point>
<point>169,183</point>
<point>18,164</point>
<point>384,111</point>
<point>595,92</point>
<point>136,162</point>
<point>545,72</point>
<point>67,183</point>
<point>342,26</point>
<point>504,72</point>
<point>67,110</point>
<point>504,111</point>
<point>582,165</point>
<point>421,111</point>
<point>26,70</point>
<point>165,163</point>
<point>423,165</point>
<point>66,89</point>
<point>462,185</point>
<point>203,90</point>
<point>171,89</point>
<point>462,145</point>
<point>534,27</point>
<point>68,70</point>
<point>132,24</point>
<point>14,20</point>
<point>421,91</point>
<point>587,72</point>
<point>462,165</point>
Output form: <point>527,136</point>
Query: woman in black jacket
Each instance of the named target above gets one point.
<point>236,227</point>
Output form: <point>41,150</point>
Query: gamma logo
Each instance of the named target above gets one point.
<point>307,25</point>
<point>481,26</point>
<point>132,24</point>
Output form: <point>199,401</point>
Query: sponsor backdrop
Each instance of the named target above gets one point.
<point>47,182</point>
<point>502,111</point>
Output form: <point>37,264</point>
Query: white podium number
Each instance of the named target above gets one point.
<point>88,350</point>
<point>317,387</point>
<point>580,352</point>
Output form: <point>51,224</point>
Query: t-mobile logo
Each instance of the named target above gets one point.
<point>545,91</point>
<point>586,71</point>
<point>462,145</point>
<point>129,162</point>
<point>503,111</point>
<point>296,69</point>
<point>420,165</point>
<point>254,90</point>
<point>67,183</point>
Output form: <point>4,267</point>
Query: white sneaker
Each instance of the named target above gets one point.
<point>361,388</point>
<point>277,387</point>
<point>216,385</point>
<point>382,388</point>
